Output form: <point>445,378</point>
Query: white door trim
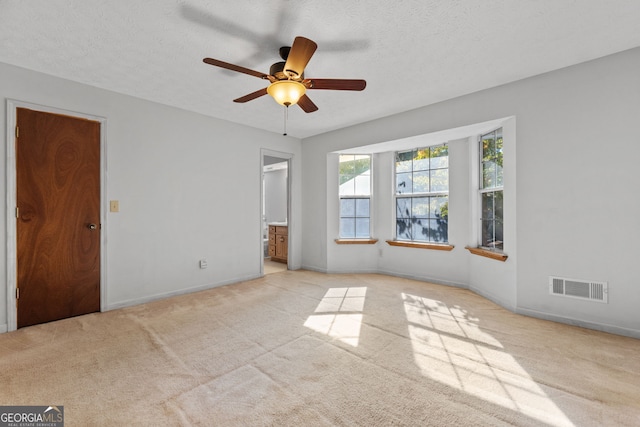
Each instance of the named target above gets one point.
<point>291,224</point>
<point>12,106</point>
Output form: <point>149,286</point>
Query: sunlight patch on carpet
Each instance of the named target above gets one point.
<point>449,347</point>
<point>339,314</point>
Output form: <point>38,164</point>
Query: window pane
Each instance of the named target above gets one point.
<point>488,175</point>
<point>403,183</point>
<point>347,228</point>
<point>347,185</point>
<point>347,207</point>
<point>440,180</point>
<point>420,207</point>
<point>488,147</point>
<point>403,229</point>
<point>403,161</point>
<point>362,228</point>
<point>363,163</point>
<point>363,185</point>
<point>421,182</point>
<point>497,197</point>
<point>439,207</point>
<point>351,167</point>
<point>362,208</point>
<point>487,206</point>
<point>492,158</point>
<point>491,223</point>
<point>347,164</point>
<point>491,239</point>
<point>499,236</point>
<point>421,230</point>
<point>487,233</point>
<point>440,157</point>
<point>344,178</point>
<point>403,207</point>
<point>438,230</point>
<point>421,160</point>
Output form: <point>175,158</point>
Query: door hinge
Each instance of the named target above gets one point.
<point>17,293</point>
<point>17,212</point>
<point>17,132</point>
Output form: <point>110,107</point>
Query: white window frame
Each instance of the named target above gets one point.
<point>356,197</point>
<point>413,195</point>
<point>486,190</point>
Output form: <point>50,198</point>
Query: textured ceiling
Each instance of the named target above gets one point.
<point>412,53</point>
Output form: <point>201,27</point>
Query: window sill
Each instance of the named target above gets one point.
<point>435,246</point>
<point>356,241</point>
<point>499,256</point>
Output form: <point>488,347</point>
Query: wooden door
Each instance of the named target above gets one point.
<point>58,216</point>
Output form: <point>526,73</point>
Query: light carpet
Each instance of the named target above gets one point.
<point>300,348</point>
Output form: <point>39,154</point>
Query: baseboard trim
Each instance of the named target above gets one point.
<point>435,281</point>
<point>610,329</point>
<point>493,299</point>
<point>312,268</point>
<point>156,297</point>
<point>3,328</point>
<point>351,271</point>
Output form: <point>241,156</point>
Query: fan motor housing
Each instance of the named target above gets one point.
<point>277,71</point>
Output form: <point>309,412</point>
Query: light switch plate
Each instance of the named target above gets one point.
<point>114,206</point>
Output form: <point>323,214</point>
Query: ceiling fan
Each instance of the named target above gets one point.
<point>288,85</point>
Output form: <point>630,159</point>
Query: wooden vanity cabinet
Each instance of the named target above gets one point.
<point>278,243</point>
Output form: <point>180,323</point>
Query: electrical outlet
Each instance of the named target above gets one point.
<point>203,263</point>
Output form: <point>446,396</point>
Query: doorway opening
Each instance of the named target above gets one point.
<point>275,212</point>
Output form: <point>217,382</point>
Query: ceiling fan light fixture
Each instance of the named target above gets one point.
<point>288,85</point>
<point>286,92</point>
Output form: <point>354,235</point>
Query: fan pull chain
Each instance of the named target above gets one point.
<point>286,116</point>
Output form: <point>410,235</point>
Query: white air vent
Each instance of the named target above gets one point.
<point>583,289</point>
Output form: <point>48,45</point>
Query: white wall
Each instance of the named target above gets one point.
<point>275,195</point>
<point>176,175</point>
<point>570,181</point>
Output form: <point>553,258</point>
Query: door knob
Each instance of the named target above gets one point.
<point>92,226</point>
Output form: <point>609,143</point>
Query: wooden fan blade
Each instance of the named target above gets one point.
<point>335,84</point>
<point>307,104</point>
<point>299,56</point>
<point>234,67</point>
<point>252,95</point>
